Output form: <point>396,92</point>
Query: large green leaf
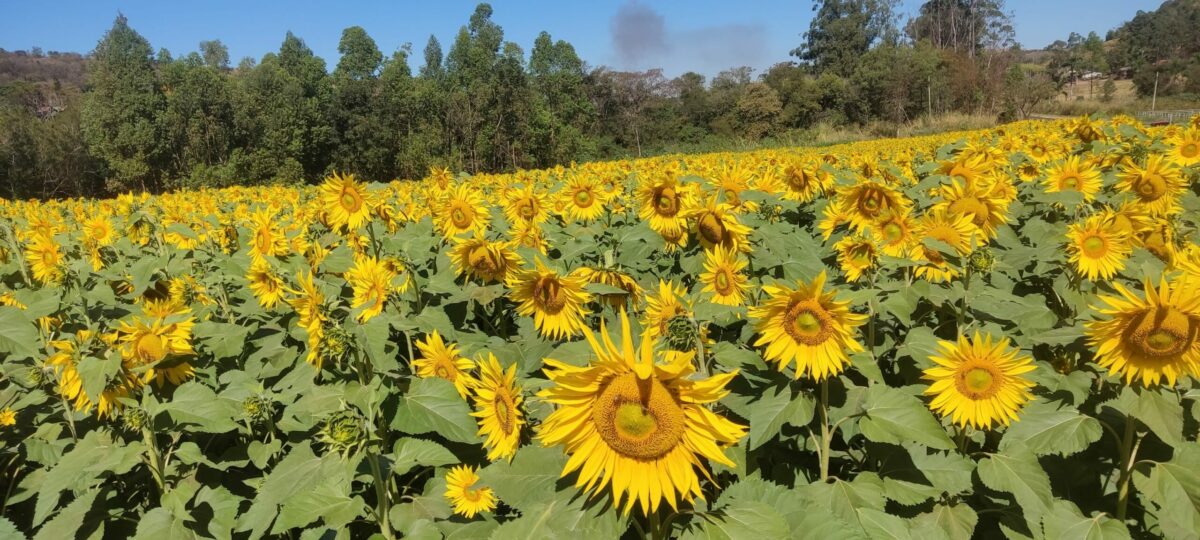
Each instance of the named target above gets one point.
<point>1045,429</point>
<point>894,416</point>
<point>433,405</point>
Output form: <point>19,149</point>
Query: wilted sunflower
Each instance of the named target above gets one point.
<point>310,309</point>
<point>461,211</point>
<point>808,326</point>
<point>1096,250</point>
<point>439,359</point>
<point>856,255</point>
<point>954,230</point>
<point>662,203</point>
<point>372,283</point>
<point>1185,148</point>
<point>160,343</point>
<point>583,198</point>
<point>498,408</point>
<point>613,278</point>
<point>1149,338</point>
<point>554,301</point>
<point>634,419</point>
<point>723,278</point>
<point>479,258</point>
<point>1157,186</point>
<point>979,382</point>
<point>345,202</point>
<point>267,287</point>
<point>467,498</point>
<point>1073,174</point>
<point>716,225</point>
<point>45,259</point>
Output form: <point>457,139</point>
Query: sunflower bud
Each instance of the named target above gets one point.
<point>343,433</point>
<point>982,261</point>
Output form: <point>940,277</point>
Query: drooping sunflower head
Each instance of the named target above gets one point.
<point>443,360</point>
<point>1097,250</point>
<point>806,325</point>
<point>483,259</point>
<point>556,302</point>
<point>856,255</point>
<point>979,381</point>
<point>633,420</point>
<point>498,401</point>
<point>463,491</point>
<point>461,211</point>
<point>956,231</point>
<point>723,277</point>
<point>1074,174</point>
<point>1158,185</point>
<point>1151,338</point>
<point>345,202</point>
<point>613,278</point>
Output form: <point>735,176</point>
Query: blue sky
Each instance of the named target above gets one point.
<point>678,35</point>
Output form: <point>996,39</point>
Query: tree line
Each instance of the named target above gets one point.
<point>146,120</point>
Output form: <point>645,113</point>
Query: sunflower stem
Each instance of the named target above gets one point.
<point>381,494</point>
<point>1128,452</point>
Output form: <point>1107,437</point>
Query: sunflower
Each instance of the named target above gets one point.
<point>498,408</point>
<point>1185,148</point>
<point>268,240</point>
<point>1157,186</point>
<point>613,278</point>
<point>482,259</point>
<point>806,325</point>
<point>462,211</point>
<point>635,420</point>
<point>372,283</point>
<point>1149,338</point>
<point>893,233</point>
<point>583,197</point>
<point>723,277</point>
<point>439,359</point>
<point>45,259</point>
<point>716,225</point>
<point>661,308</point>
<point>467,498</point>
<point>977,202</point>
<point>310,309</point>
<point>554,301</point>
<point>856,255</point>
<point>662,203</point>
<point>864,202</point>
<point>954,230</point>
<point>526,205</point>
<point>1096,250</point>
<point>267,287</point>
<point>64,360</point>
<point>1073,174</point>
<point>160,343</point>
<point>979,382</point>
<point>346,204</point>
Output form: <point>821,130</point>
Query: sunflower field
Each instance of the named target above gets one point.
<point>969,335</point>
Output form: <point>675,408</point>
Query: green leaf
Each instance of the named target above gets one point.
<point>1162,412</point>
<point>530,478</point>
<point>197,405</point>
<point>1045,429</point>
<point>1017,471</point>
<point>433,405</point>
<point>18,336</point>
<point>744,519</point>
<point>409,452</point>
<point>893,416</point>
<point>956,522</point>
<point>1064,521</point>
<point>1174,488</point>
<point>161,524</point>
